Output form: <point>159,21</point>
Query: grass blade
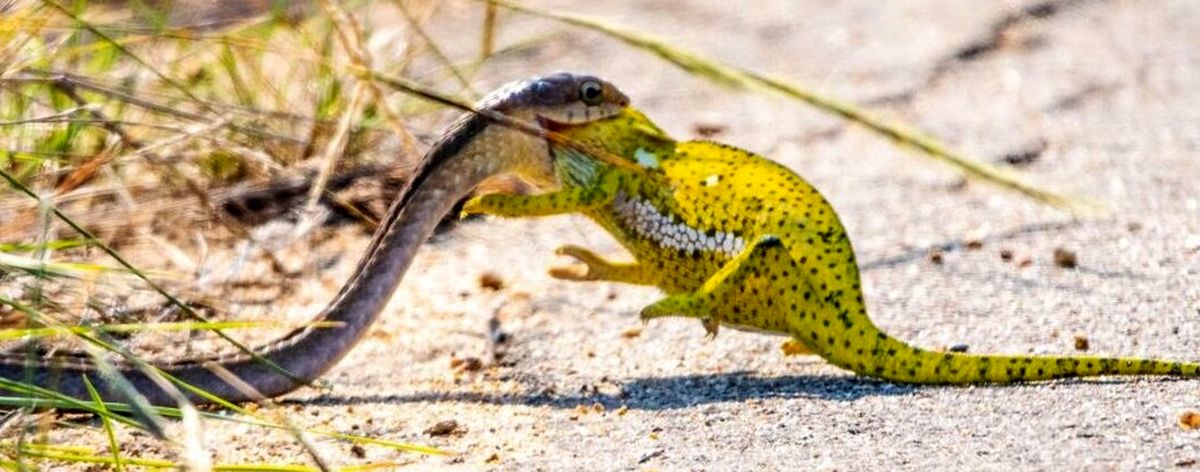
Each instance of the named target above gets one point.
<point>82,455</point>
<point>108,429</point>
<point>10,334</point>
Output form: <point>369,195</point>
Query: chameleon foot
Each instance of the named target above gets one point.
<point>683,305</point>
<point>592,266</point>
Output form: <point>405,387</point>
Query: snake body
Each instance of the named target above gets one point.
<point>474,148</point>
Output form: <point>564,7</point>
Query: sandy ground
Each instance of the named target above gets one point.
<point>1104,92</point>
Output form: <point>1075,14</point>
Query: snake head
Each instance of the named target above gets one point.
<point>571,99</point>
<point>560,99</point>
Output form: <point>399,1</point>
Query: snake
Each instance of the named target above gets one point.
<point>504,133</point>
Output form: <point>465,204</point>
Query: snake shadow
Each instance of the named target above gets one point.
<point>654,393</point>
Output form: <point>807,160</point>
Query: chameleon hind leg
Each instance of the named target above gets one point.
<point>596,267</point>
<point>739,295</point>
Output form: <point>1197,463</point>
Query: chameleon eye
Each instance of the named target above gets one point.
<point>591,92</point>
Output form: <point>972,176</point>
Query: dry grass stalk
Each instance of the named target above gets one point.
<point>351,36</point>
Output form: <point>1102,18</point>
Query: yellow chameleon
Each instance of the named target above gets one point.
<point>737,240</point>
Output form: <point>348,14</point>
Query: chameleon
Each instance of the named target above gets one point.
<point>737,240</point>
<point>502,134</point>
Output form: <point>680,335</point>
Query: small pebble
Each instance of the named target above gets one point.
<point>468,364</point>
<point>491,281</point>
<point>492,459</point>
<point>973,244</point>
<point>632,332</point>
<point>1189,419</point>
<point>935,257</point>
<point>445,428</point>
<point>1006,255</point>
<point>1081,343</point>
<point>959,348</point>
<point>709,125</point>
<point>1028,155</point>
<point>358,451</point>
<point>1065,258</point>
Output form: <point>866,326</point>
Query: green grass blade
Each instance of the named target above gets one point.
<point>140,407</point>
<point>48,331</point>
<point>51,245</point>
<point>69,403</point>
<point>39,268</point>
<point>117,464</point>
<point>39,397</point>
<point>80,455</point>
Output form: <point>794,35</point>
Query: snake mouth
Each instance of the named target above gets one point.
<point>555,130</point>
<point>555,126</point>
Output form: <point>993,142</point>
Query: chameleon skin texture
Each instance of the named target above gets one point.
<point>737,240</point>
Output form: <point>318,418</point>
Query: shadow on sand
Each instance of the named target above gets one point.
<point>656,393</point>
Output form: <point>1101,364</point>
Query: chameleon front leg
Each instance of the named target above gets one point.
<point>596,267</point>
<point>557,202</point>
<point>739,295</point>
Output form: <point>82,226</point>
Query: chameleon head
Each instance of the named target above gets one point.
<point>559,99</point>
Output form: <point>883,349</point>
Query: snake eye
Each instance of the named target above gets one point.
<point>591,92</point>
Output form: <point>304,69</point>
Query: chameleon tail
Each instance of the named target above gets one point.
<point>765,288</point>
<point>890,359</point>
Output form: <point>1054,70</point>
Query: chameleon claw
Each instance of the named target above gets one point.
<point>659,309</point>
<point>681,305</point>
<point>589,265</point>
<point>571,272</point>
<point>651,312</point>
<point>584,270</point>
<point>578,253</point>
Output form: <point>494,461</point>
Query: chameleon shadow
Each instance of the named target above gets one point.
<point>655,393</point>
<point>690,391</point>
